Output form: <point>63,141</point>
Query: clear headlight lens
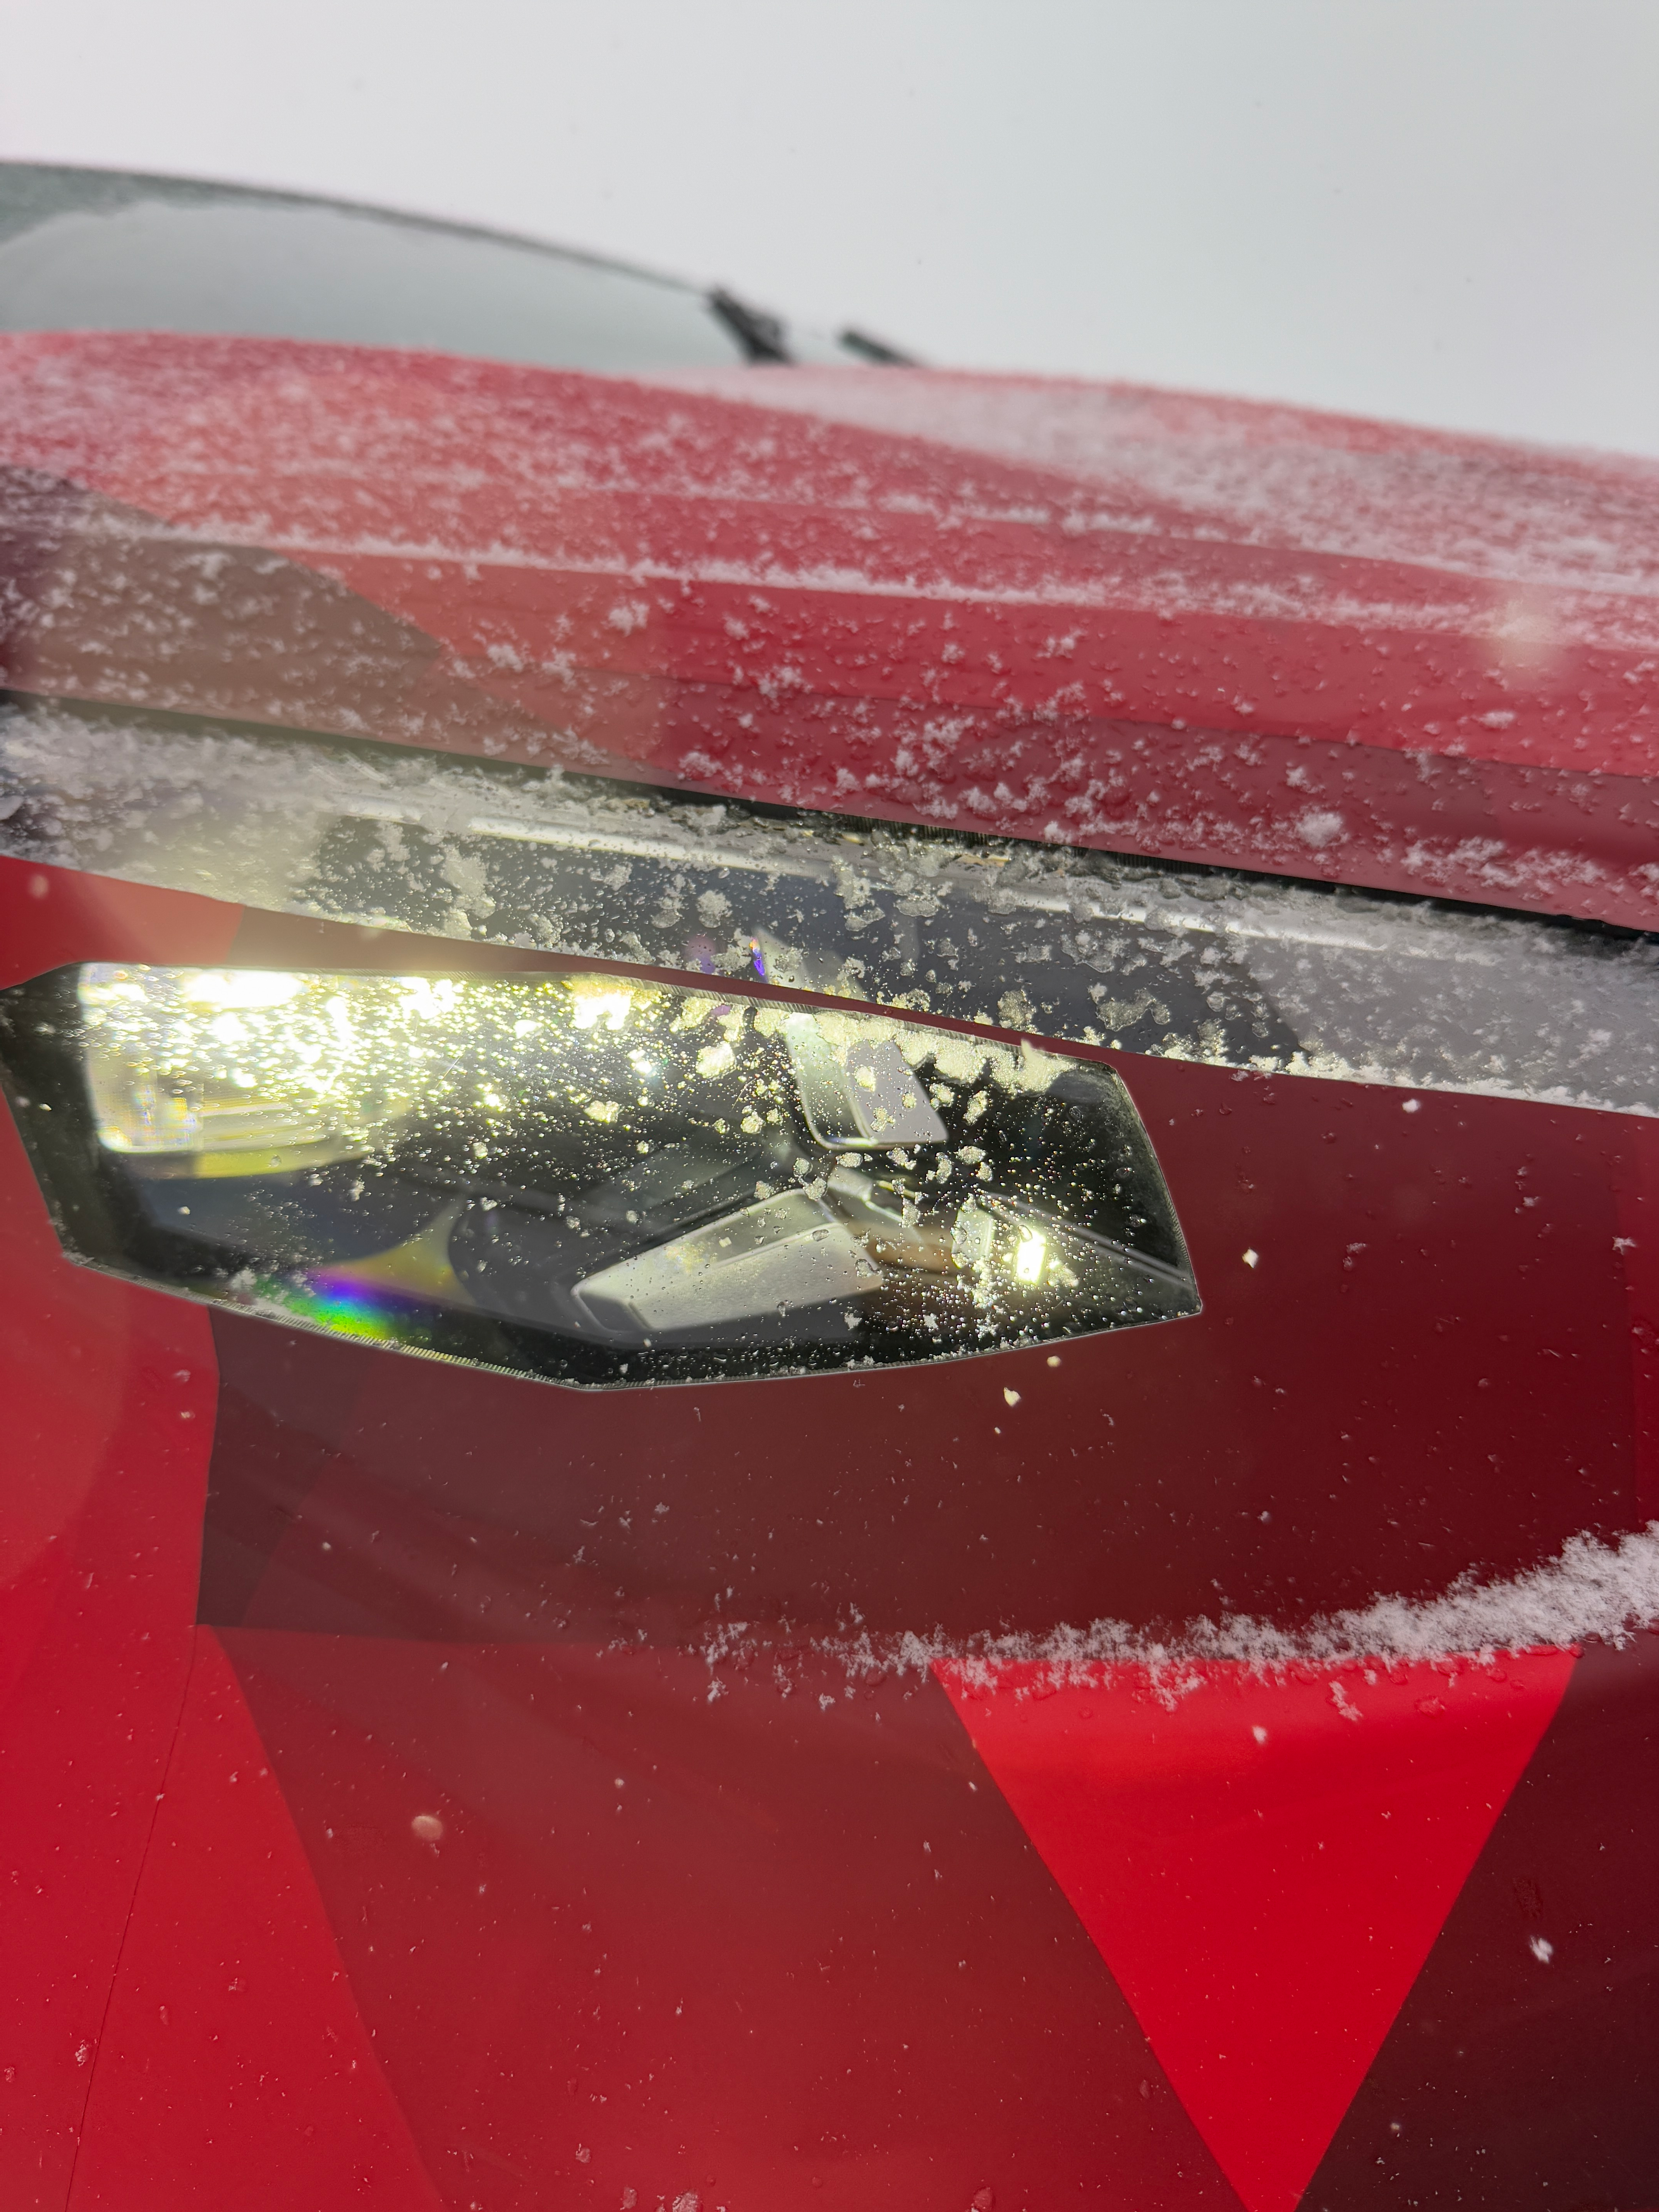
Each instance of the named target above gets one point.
<point>589,1177</point>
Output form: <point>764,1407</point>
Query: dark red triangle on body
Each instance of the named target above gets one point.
<point>1263,1864</point>
<point>234,2067</point>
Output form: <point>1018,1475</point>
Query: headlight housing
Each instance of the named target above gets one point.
<point>594,1177</point>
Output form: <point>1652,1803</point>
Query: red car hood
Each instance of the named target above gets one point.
<point>1205,628</point>
<point>427,1786</point>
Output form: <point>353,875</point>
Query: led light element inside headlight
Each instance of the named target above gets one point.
<point>593,1179</point>
<point>241,1070</point>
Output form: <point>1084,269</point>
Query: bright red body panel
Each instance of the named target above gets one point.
<point>429,1787</point>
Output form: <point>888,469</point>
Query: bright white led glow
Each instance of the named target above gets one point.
<point>589,1006</point>
<point>226,988</point>
<point>430,997</point>
<point>1028,1257</point>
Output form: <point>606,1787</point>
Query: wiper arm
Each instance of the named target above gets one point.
<point>760,335</point>
<point>765,338</point>
<point>875,350</point>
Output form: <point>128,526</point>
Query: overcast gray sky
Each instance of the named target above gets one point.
<point>1444,211</point>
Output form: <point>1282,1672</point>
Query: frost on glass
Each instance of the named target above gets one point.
<point>592,1177</point>
<point>1093,948</point>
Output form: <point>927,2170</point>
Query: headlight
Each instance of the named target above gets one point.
<point>597,1178</point>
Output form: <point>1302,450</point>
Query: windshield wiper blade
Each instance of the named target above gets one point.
<point>875,350</point>
<point>760,335</point>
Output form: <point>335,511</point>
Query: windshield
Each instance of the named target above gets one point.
<point>85,251</point>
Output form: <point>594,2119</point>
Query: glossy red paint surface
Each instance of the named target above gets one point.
<point>234,2065</point>
<point>109,1412</point>
<point>1200,627</point>
<point>425,1787</point>
<point>1265,1865</point>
